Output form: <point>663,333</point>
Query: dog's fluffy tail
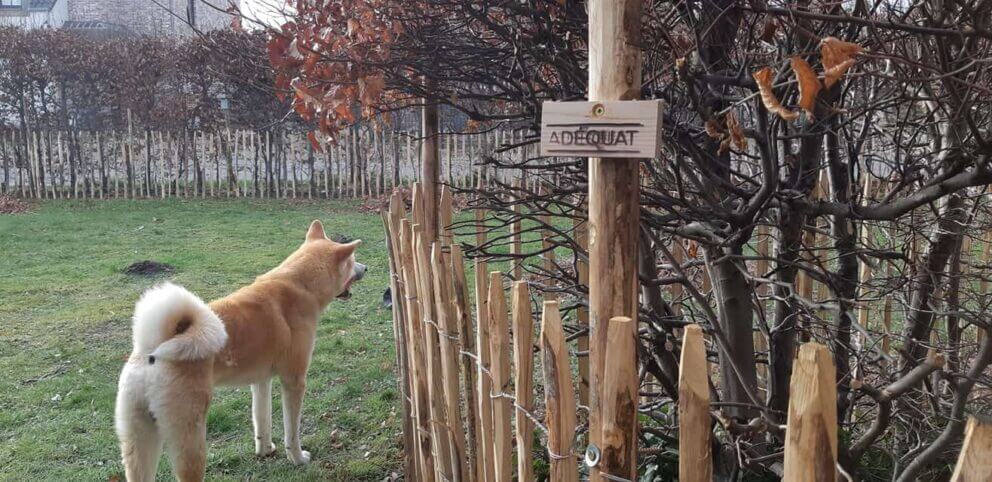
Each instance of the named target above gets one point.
<point>170,323</point>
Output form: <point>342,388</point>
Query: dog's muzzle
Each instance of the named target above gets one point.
<point>357,273</point>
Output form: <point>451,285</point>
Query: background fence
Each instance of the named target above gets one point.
<point>235,163</point>
<point>468,412</point>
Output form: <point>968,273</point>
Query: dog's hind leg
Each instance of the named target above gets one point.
<point>261,417</point>
<point>186,441</point>
<point>141,445</point>
<point>293,388</point>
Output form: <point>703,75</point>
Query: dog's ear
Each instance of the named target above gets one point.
<point>316,231</point>
<point>350,248</point>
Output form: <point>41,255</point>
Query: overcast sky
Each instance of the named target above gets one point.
<point>268,11</point>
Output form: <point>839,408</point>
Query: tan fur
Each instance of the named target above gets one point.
<point>271,327</point>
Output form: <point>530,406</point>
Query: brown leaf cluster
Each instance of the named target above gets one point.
<point>837,57</point>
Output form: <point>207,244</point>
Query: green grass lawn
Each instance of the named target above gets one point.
<point>65,312</point>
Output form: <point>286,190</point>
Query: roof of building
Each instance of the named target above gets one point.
<point>42,4</point>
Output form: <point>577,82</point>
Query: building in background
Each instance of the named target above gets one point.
<point>33,13</point>
<point>157,18</point>
<point>169,18</point>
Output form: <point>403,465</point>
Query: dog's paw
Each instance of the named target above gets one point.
<point>262,451</point>
<point>301,458</point>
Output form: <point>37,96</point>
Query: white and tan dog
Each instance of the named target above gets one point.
<point>184,347</point>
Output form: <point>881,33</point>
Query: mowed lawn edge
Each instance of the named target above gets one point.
<point>65,310</point>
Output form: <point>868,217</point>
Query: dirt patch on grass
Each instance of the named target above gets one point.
<point>149,268</point>
<point>12,205</point>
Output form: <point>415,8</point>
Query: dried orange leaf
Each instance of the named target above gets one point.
<point>809,85</point>
<point>763,78</point>
<point>837,58</point>
<point>833,74</point>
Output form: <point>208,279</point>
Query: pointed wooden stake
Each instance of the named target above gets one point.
<point>975,461</point>
<point>523,360</point>
<point>695,453</point>
<point>559,396</point>
<point>811,436</point>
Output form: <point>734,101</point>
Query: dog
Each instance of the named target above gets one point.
<point>184,347</point>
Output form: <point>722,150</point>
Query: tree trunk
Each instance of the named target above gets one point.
<point>845,280</point>
<point>431,165</point>
<point>929,270</point>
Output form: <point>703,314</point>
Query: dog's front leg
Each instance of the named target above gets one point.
<point>293,388</point>
<point>261,417</point>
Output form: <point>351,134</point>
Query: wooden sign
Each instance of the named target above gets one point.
<point>630,129</point>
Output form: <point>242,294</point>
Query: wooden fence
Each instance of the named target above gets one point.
<point>232,163</point>
<point>468,413</point>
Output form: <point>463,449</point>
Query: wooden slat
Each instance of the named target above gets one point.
<point>448,337</point>
<point>547,246</point>
<point>811,436</point>
<point>559,396</point>
<point>467,336</point>
<point>445,216</point>
<point>582,312</point>
<point>418,364</point>
<point>390,221</point>
<point>975,462</point>
<point>516,243</point>
<point>486,471</point>
<point>499,346</point>
<point>523,362</point>
<point>695,452</point>
<point>439,419</point>
<point>619,396</point>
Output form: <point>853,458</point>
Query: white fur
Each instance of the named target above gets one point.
<point>155,408</point>
<point>152,328</point>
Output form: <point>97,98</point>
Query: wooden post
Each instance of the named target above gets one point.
<point>60,191</point>
<point>438,409</point>
<point>614,217</point>
<point>695,452</point>
<point>559,396</point>
<point>409,151</point>
<point>547,246</point>
<point>127,157</point>
<point>418,364</point>
<point>523,361</point>
<point>499,344</point>
<point>516,243</point>
<point>486,464</point>
<point>619,389</point>
<point>974,463</point>
<point>448,335</point>
<point>448,155</point>
<point>811,436</point>
<point>467,338</point>
<point>582,312</point>
<point>391,220</point>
